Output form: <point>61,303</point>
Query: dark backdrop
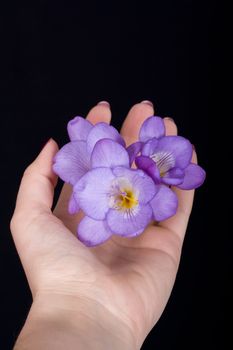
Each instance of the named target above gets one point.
<point>58,59</point>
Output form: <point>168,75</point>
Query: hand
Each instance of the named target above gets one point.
<point>109,296</point>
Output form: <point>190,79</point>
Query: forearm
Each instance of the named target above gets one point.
<point>61,324</point>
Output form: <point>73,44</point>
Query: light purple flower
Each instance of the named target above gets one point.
<point>166,159</point>
<point>116,199</point>
<point>74,159</point>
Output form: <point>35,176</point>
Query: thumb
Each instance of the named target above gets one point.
<point>36,190</point>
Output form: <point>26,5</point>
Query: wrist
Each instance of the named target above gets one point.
<point>62,321</point>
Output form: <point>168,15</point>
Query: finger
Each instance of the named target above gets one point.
<point>171,128</point>
<point>133,122</point>
<point>36,190</point>
<point>99,113</point>
<point>178,223</point>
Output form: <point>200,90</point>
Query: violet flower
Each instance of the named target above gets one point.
<point>116,199</point>
<point>73,160</point>
<point>166,159</point>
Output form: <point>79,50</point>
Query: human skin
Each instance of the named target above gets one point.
<point>106,297</point>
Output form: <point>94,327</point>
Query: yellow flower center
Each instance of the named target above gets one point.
<point>122,196</point>
<point>127,199</point>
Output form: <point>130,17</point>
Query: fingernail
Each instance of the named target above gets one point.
<point>147,102</point>
<point>194,148</point>
<point>44,143</point>
<point>104,103</point>
<point>171,120</point>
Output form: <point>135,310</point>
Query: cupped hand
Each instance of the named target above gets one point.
<point>130,279</point>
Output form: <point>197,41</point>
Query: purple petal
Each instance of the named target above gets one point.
<point>78,129</point>
<point>92,192</point>
<point>173,177</point>
<point>108,153</point>
<point>93,232</point>
<point>164,204</point>
<point>127,223</point>
<point>72,161</point>
<point>149,166</point>
<point>134,234</point>
<point>175,148</point>
<point>194,177</point>
<point>141,184</point>
<point>149,147</point>
<point>73,207</point>
<point>103,131</point>
<point>133,151</point>
<point>152,127</point>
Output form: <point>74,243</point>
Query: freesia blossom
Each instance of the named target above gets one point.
<point>116,199</point>
<point>166,159</point>
<point>73,159</point>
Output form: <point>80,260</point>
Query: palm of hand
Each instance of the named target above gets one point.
<point>131,278</point>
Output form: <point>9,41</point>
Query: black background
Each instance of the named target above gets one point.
<point>58,59</point>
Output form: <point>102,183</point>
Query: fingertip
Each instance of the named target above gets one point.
<point>53,143</point>
<point>44,162</point>
<point>47,153</point>
<point>50,144</point>
<point>104,103</point>
<point>139,110</point>
<point>100,113</point>
<point>194,156</point>
<point>53,146</point>
<point>170,125</point>
<point>138,113</point>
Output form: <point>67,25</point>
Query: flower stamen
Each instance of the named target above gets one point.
<point>127,199</point>
<point>123,198</point>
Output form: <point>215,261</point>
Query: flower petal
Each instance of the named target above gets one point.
<point>177,147</point>
<point>149,147</point>
<point>194,177</point>
<point>92,192</point>
<point>147,165</point>
<point>125,223</point>
<point>164,204</point>
<point>134,234</point>
<point>173,177</point>
<point>133,150</point>
<point>152,127</point>
<point>93,232</point>
<point>108,153</point>
<point>73,207</point>
<point>103,131</point>
<point>142,185</point>
<point>78,129</point>
<point>72,161</point>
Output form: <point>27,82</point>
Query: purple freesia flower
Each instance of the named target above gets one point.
<point>74,159</point>
<point>117,199</point>
<point>114,198</point>
<point>166,159</point>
